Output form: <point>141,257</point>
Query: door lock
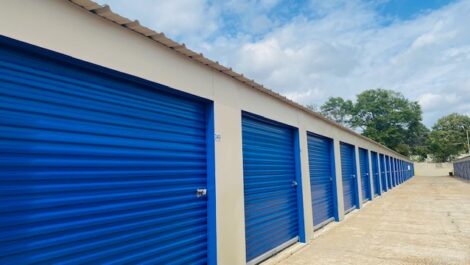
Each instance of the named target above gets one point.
<point>294,183</point>
<point>201,193</point>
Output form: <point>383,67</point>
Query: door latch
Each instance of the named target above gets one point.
<point>294,183</point>
<point>354,176</point>
<point>201,193</point>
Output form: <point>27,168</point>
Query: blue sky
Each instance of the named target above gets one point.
<point>409,9</point>
<point>309,50</point>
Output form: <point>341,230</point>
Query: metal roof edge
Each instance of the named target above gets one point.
<point>465,158</point>
<point>105,11</point>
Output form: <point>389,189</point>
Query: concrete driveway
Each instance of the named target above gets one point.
<point>424,221</point>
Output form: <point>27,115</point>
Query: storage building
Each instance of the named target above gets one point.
<point>120,145</point>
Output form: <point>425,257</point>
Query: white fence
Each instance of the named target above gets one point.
<point>433,169</point>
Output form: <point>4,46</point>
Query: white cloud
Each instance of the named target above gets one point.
<point>334,48</point>
<point>434,102</point>
<point>188,20</point>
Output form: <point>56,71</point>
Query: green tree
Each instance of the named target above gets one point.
<point>338,110</point>
<point>313,107</point>
<point>403,149</point>
<point>419,136</point>
<point>383,115</point>
<point>448,137</point>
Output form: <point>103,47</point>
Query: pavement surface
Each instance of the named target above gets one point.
<point>426,220</point>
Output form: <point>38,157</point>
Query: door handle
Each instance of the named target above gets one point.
<point>294,183</point>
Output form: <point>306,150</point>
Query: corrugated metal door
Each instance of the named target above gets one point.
<point>97,167</point>
<point>395,172</point>
<point>403,165</point>
<point>402,171</point>
<point>383,170</point>
<point>389,172</point>
<point>375,173</point>
<point>405,170</point>
<point>365,178</point>
<point>348,171</point>
<point>269,169</point>
<point>399,171</point>
<point>408,170</point>
<point>411,171</point>
<point>321,163</point>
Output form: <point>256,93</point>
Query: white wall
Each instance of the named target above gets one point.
<point>433,169</point>
<point>66,28</point>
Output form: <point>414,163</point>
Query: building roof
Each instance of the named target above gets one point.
<point>105,12</point>
<point>465,158</point>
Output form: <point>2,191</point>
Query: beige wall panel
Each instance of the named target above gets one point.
<point>371,176</point>
<point>358,178</point>
<point>306,190</point>
<point>339,180</point>
<point>256,102</point>
<point>229,173</point>
<point>229,187</point>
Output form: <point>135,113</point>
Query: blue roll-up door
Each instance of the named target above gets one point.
<point>388,166</point>
<point>411,170</point>
<point>398,171</point>
<point>375,173</point>
<point>322,177</point>
<point>402,171</point>
<point>395,172</point>
<point>269,172</point>
<point>348,171</point>
<point>364,169</point>
<point>405,170</point>
<point>97,167</point>
<point>408,167</point>
<point>383,175</point>
<point>403,166</point>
